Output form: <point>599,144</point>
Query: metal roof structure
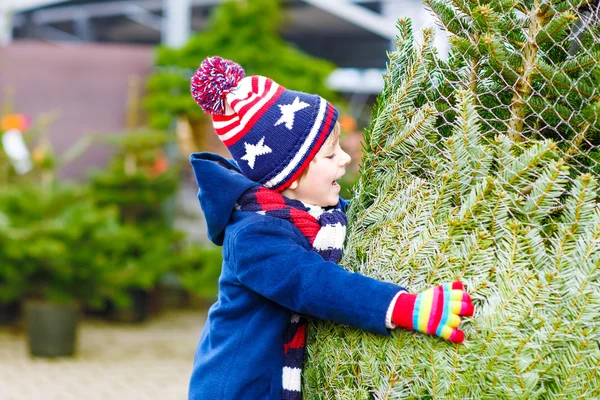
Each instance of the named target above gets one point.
<point>353,34</point>
<point>19,5</point>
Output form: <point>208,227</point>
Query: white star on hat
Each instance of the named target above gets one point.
<point>288,111</point>
<point>255,150</point>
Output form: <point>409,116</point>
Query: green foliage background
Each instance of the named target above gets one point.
<point>52,245</point>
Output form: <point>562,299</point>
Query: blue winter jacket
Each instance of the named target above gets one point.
<point>268,269</point>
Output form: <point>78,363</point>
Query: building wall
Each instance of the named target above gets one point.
<point>84,85</point>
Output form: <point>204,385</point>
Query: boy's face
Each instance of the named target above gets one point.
<point>319,186</point>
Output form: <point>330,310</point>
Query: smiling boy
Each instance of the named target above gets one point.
<point>275,209</point>
<point>318,184</point>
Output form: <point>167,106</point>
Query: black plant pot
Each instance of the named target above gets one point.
<point>51,328</point>
<point>9,312</point>
<point>174,297</point>
<point>137,312</point>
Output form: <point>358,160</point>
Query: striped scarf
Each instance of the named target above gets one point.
<point>325,230</point>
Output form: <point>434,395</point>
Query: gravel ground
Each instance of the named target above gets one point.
<point>152,360</point>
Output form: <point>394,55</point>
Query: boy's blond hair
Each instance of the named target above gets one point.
<point>332,140</point>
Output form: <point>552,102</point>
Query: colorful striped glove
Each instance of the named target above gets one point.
<point>436,311</point>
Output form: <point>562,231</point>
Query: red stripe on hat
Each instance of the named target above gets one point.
<point>306,223</point>
<point>315,149</point>
<point>254,98</point>
<point>234,139</point>
<point>248,106</point>
<point>253,91</point>
<point>437,310</point>
<point>254,81</point>
<point>241,112</point>
<point>223,118</point>
<point>229,126</point>
<point>236,101</point>
<point>298,341</point>
<point>223,131</point>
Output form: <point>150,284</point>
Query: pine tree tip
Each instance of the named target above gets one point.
<point>586,178</point>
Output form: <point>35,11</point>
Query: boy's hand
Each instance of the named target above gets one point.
<point>436,311</point>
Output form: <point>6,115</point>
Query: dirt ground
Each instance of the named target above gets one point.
<point>152,360</point>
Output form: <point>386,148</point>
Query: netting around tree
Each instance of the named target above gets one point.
<point>532,67</point>
<point>483,168</point>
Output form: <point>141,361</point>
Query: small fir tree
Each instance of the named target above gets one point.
<point>138,181</point>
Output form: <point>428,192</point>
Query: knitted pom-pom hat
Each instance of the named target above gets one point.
<point>271,132</point>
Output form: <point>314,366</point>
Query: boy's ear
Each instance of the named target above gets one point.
<point>294,185</point>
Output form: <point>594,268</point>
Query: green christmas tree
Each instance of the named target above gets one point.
<point>492,210</point>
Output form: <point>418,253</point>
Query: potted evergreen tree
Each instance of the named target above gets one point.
<point>24,173</point>
<point>141,255</point>
<point>52,237</point>
<point>12,280</point>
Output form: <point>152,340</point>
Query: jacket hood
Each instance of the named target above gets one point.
<point>220,185</point>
